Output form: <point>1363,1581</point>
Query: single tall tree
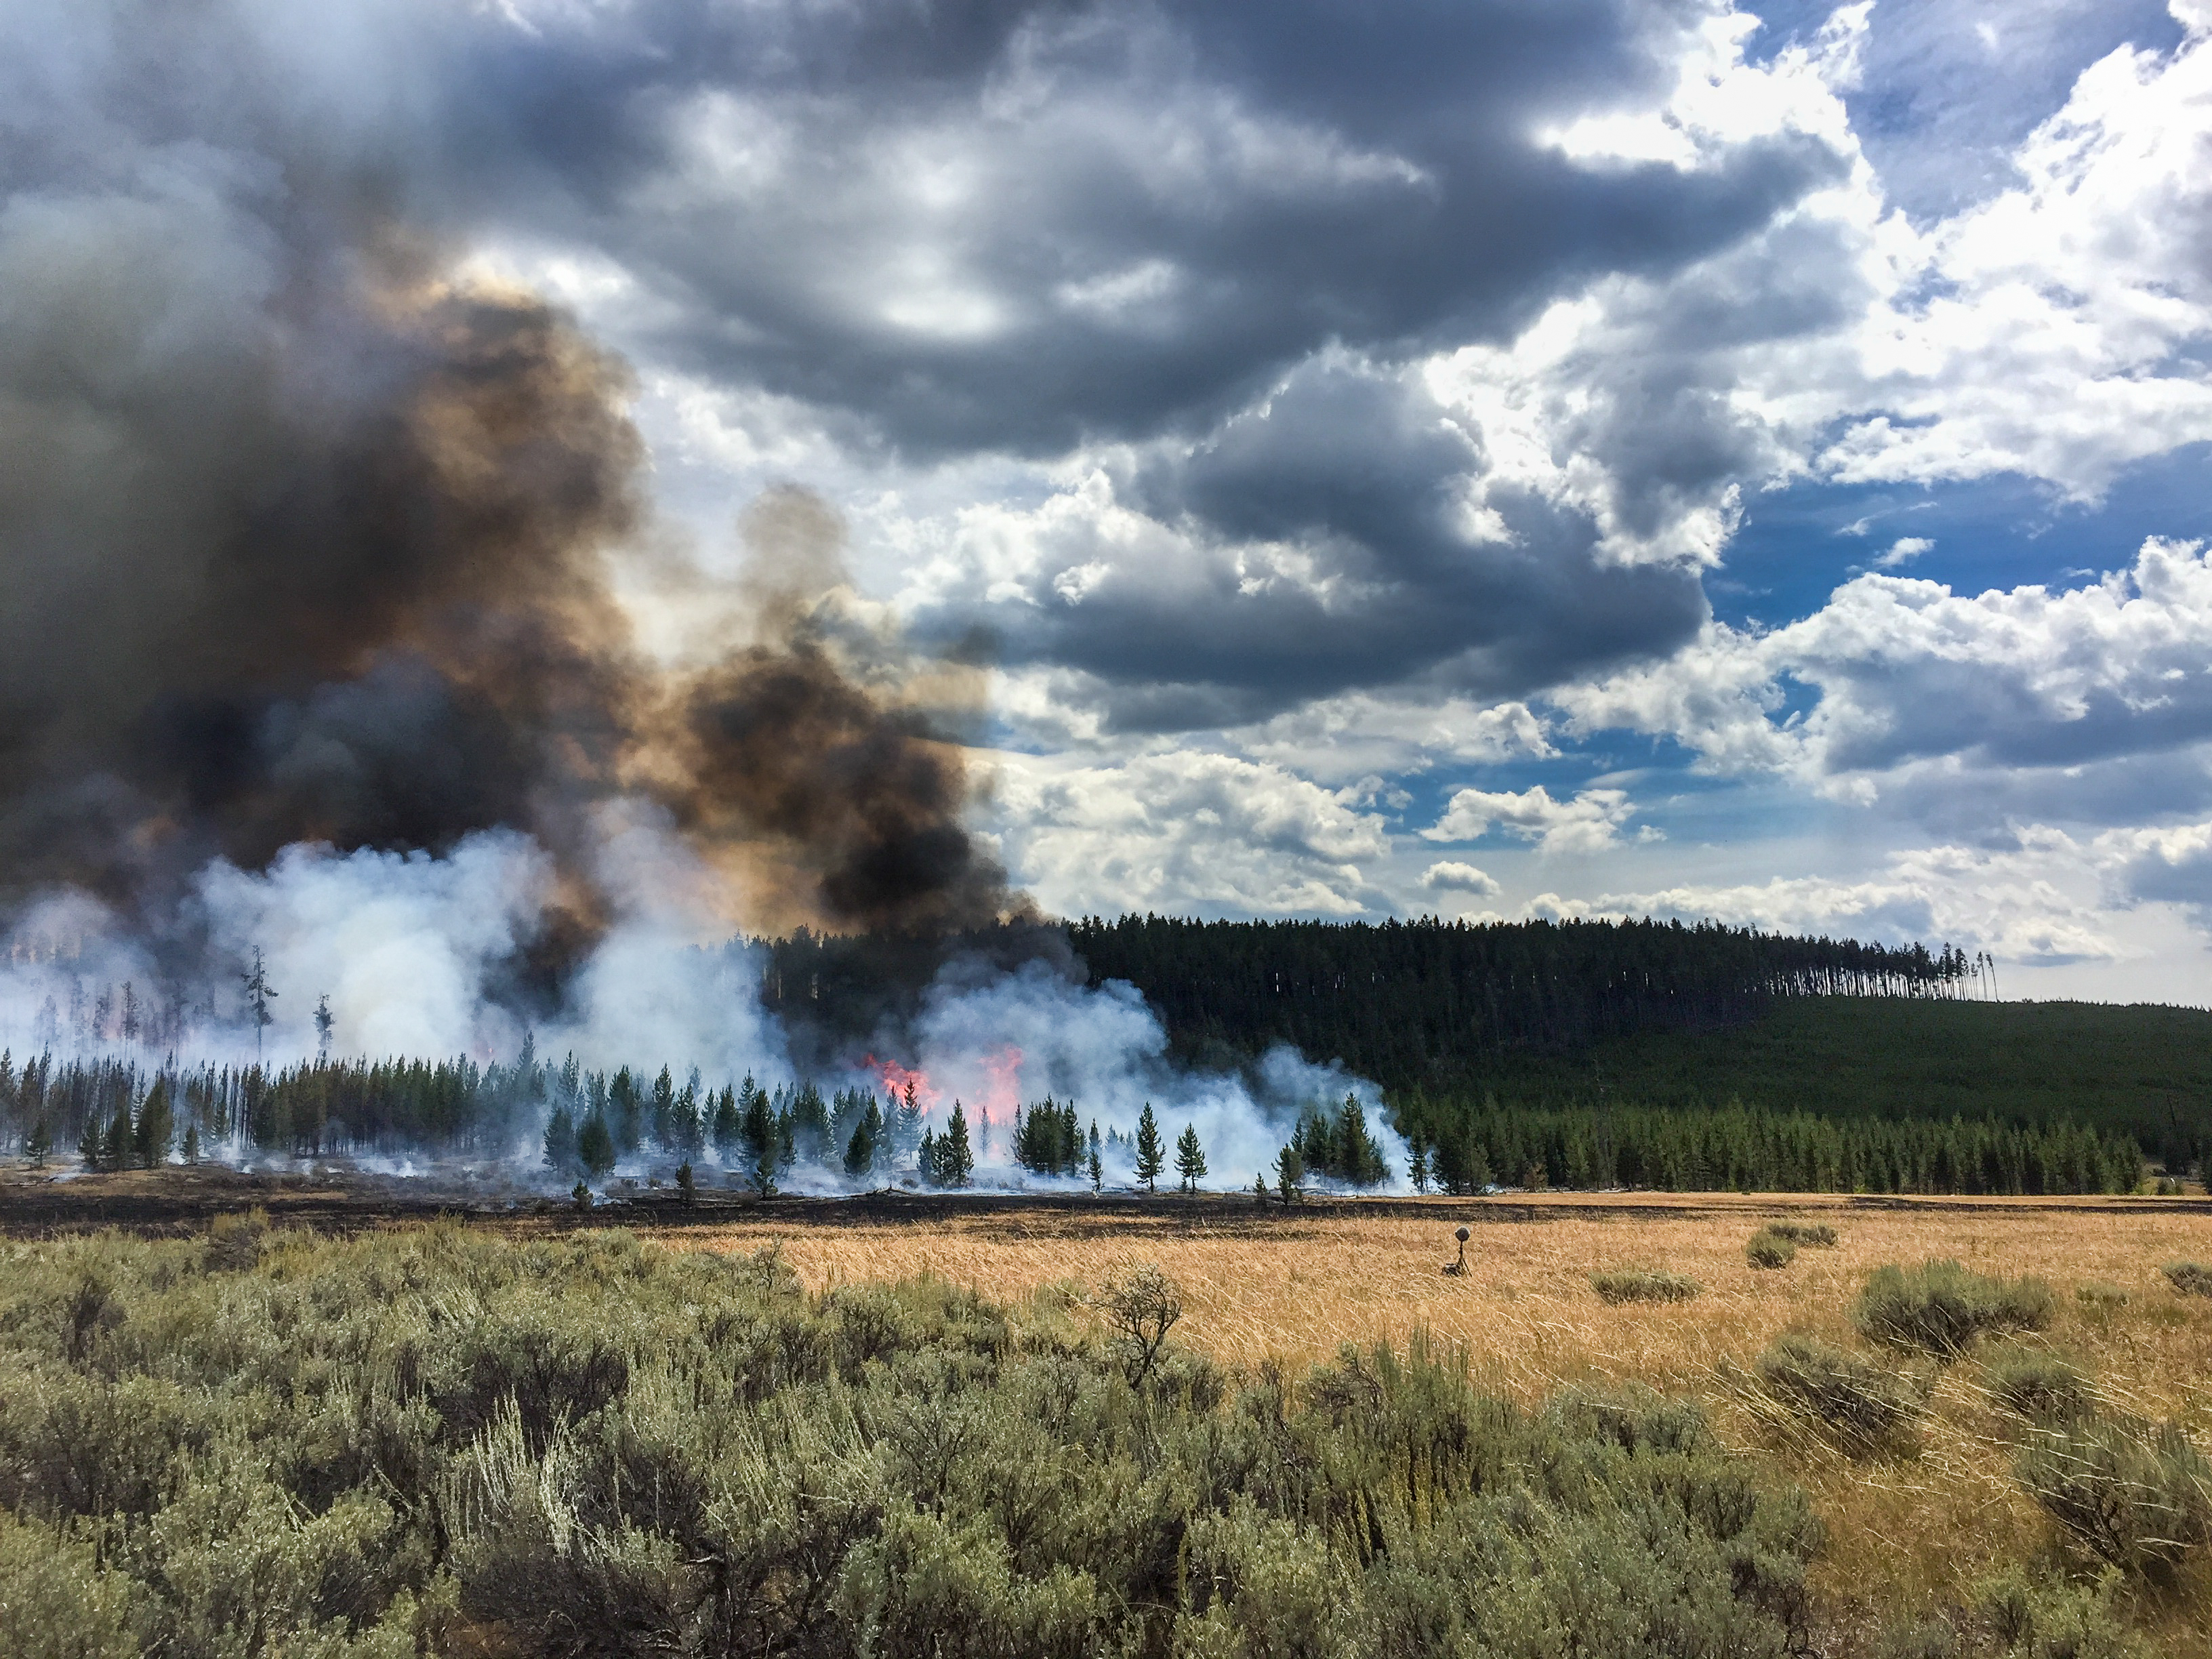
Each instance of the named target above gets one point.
<point>1151,1160</point>
<point>326,1023</point>
<point>955,1161</point>
<point>258,996</point>
<point>1190,1157</point>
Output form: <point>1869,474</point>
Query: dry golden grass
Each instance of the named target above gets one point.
<point>1293,1288</point>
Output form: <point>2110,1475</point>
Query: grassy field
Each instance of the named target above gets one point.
<point>1906,1535</point>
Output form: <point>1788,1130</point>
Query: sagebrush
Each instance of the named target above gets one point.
<point>431,1441</point>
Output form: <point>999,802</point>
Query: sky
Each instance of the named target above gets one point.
<point>1545,459</point>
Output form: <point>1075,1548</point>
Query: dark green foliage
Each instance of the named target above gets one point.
<point>2041,1387</point>
<point>431,1441</point>
<point>1769,1248</point>
<point>1866,1405</point>
<point>2136,1497</point>
<point>595,1147</point>
<point>1817,1234</point>
<point>947,1160</point>
<point>860,1150</point>
<point>1048,1138</point>
<point>1338,1147</point>
<point>2190,1278</point>
<point>1619,1285</point>
<point>1695,1147</point>
<point>1190,1158</point>
<point>1291,1173</point>
<point>1940,1307</point>
<point>1405,1001</point>
<point>1151,1158</point>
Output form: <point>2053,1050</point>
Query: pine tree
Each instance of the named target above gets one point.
<point>1259,1188</point>
<point>560,1143</point>
<point>156,1125</point>
<point>115,1151</point>
<point>1417,1164</point>
<point>91,1144</point>
<point>258,996</point>
<point>595,1147</point>
<point>860,1150</point>
<point>1097,1165</point>
<point>956,1162</point>
<point>906,1122</point>
<point>1149,1158</point>
<point>1290,1172</point>
<point>727,1127</point>
<point>326,1023</point>
<point>39,1142</point>
<point>687,1189</point>
<point>1190,1158</point>
<point>192,1141</point>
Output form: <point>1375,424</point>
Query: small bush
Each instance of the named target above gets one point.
<point>2055,1621</point>
<point>1817,1234</point>
<point>1941,1308</point>
<point>1864,1404</point>
<point>2040,1387</point>
<point>2137,1498</point>
<point>2190,1277</point>
<point>1769,1249</point>
<point>1619,1285</point>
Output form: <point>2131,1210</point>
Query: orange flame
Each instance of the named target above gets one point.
<point>897,1079</point>
<point>1003,1093</point>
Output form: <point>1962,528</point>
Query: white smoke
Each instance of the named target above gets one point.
<point>406,951</point>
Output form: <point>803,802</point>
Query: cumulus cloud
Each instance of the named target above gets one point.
<point>1448,876</point>
<point>1588,823</point>
<point>1186,830</point>
<point>2095,697</point>
<point>2036,902</point>
<point>1902,551</point>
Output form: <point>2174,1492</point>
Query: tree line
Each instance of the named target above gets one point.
<point>1414,1002</point>
<point>1735,1148</point>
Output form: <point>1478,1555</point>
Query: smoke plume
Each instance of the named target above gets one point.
<point>338,571</point>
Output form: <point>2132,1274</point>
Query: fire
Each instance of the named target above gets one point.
<point>1000,1093</point>
<point>1003,1092</point>
<point>897,1079</point>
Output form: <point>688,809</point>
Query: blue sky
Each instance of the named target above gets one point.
<point>1595,457</point>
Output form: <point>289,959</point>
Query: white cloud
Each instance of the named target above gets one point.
<point>1448,876</point>
<point>1903,551</point>
<point>1185,831</point>
<point>1589,823</point>
<point>2036,902</point>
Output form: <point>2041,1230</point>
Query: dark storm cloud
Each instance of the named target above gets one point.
<point>1320,543</point>
<point>229,378</point>
<point>1110,221</point>
<point>996,225</point>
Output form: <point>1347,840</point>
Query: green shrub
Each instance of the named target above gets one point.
<point>2190,1277</point>
<point>2040,1387</point>
<point>2048,1619</point>
<point>2136,1498</point>
<point>1818,1234</point>
<point>584,1445</point>
<point>55,1601</point>
<point>1768,1248</point>
<point>1941,1308</point>
<point>1619,1285</point>
<point>1866,1405</point>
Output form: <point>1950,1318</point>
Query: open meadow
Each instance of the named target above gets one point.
<point>257,1415</point>
<point>1905,1534</point>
